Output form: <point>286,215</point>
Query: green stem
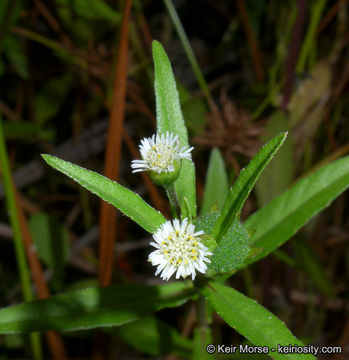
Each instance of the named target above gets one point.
<point>172,196</point>
<point>316,12</point>
<point>201,312</point>
<point>24,273</point>
<point>189,51</point>
<point>267,101</point>
<point>202,333</point>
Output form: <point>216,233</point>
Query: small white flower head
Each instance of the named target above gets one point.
<point>161,157</point>
<point>179,249</point>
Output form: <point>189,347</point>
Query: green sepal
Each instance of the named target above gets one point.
<point>168,177</point>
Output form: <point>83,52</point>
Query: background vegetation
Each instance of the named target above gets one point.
<point>77,82</point>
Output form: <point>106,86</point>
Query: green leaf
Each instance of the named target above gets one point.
<point>93,10</point>
<point>251,320</point>
<point>51,240</point>
<point>276,222</point>
<point>244,184</point>
<point>93,307</point>
<point>216,187</point>
<point>154,337</point>
<point>128,202</point>
<point>278,175</point>
<point>232,250</point>
<point>169,118</point>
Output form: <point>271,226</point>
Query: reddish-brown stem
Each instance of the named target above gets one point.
<point>113,152</point>
<point>330,15</point>
<point>293,54</point>
<point>54,340</point>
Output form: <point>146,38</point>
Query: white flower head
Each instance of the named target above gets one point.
<point>160,154</point>
<point>179,249</point>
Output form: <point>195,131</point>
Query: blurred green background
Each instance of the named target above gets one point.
<point>246,70</point>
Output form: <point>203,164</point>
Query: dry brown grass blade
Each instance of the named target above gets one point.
<point>113,152</point>
<point>54,24</point>
<point>146,34</point>
<point>55,342</point>
<point>256,54</point>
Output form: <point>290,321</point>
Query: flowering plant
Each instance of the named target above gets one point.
<point>208,249</point>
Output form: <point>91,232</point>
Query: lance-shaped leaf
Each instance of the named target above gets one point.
<point>244,184</point>
<point>128,202</point>
<point>93,307</point>
<point>216,187</point>
<point>252,320</point>
<point>169,118</point>
<point>276,222</point>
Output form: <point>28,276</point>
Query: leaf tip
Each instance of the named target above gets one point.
<point>282,137</point>
<point>46,157</point>
<point>156,46</point>
<point>49,159</point>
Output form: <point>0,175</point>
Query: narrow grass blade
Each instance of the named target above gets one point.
<point>188,49</point>
<point>22,264</point>
<point>316,11</point>
<point>128,202</point>
<point>216,187</point>
<point>277,176</point>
